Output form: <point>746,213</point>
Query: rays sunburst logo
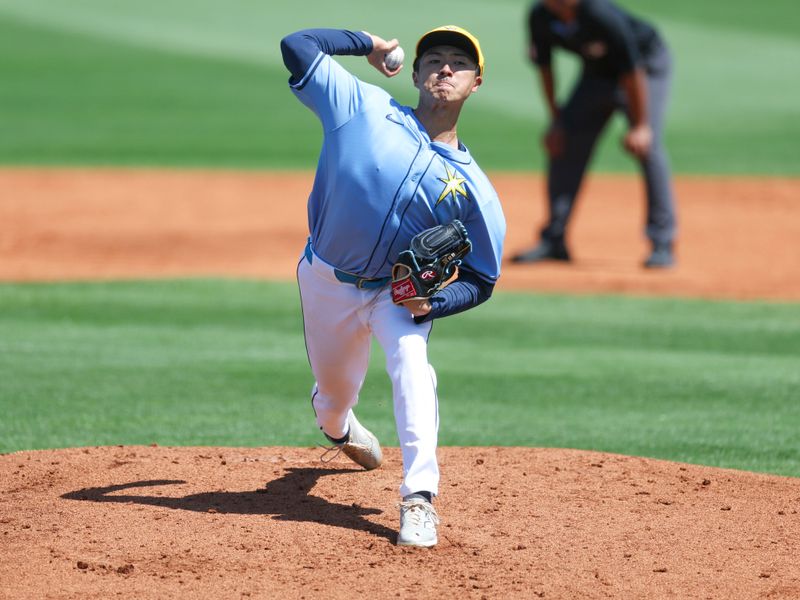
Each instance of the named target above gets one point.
<point>453,185</point>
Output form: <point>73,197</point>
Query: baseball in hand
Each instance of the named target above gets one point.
<point>394,59</point>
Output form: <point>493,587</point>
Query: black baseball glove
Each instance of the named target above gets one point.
<point>431,262</point>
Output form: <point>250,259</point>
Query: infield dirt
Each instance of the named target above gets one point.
<point>153,522</point>
<point>738,237</point>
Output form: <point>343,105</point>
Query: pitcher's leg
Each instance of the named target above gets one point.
<point>416,408</point>
<point>337,342</point>
<point>416,412</point>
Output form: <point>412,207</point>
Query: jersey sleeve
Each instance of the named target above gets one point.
<point>318,81</point>
<point>539,37</point>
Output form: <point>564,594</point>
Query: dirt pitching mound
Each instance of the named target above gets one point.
<point>155,522</point>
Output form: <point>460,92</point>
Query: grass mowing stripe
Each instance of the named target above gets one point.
<point>704,382</point>
<point>186,362</point>
<point>223,362</point>
<point>738,15</point>
<point>69,99</point>
<point>92,98</point>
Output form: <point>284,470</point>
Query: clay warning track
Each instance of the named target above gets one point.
<point>738,237</point>
<point>153,522</point>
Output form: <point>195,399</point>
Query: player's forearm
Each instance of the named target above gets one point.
<point>549,90</point>
<point>300,49</point>
<point>468,291</point>
<point>634,83</point>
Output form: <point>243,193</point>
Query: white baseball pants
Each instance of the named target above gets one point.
<point>339,321</point>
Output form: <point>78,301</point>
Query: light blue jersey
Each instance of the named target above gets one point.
<point>380,180</point>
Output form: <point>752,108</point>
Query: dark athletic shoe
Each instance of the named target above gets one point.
<point>545,250</point>
<point>661,257</point>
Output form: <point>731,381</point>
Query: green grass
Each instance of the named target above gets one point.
<point>217,362</point>
<point>200,83</point>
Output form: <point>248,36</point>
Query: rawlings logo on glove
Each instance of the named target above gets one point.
<point>431,262</point>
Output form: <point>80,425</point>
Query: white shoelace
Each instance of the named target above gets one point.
<point>336,450</point>
<point>418,512</point>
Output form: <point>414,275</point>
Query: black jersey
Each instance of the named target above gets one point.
<point>609,40</point>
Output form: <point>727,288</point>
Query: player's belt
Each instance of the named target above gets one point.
<point>345,277</point>
<point>361,282</point>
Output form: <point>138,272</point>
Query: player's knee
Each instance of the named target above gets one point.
<point>408,352</point>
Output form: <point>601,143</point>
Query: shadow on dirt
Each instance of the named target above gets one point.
<point>285,499</point>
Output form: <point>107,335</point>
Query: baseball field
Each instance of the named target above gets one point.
<point>606,431</point>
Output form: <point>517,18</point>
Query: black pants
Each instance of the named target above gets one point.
<point>585,115</point>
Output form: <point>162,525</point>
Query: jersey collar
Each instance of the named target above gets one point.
<point>460,154</point>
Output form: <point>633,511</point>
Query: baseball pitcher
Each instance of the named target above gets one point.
<point>404,228</point>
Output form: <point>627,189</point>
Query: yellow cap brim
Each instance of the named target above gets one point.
<point>451,35</point>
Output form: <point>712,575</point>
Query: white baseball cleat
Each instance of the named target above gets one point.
<point>418,521</point>
<point>362,447</point>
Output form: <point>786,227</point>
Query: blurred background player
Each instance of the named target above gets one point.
<point>626,66</point>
